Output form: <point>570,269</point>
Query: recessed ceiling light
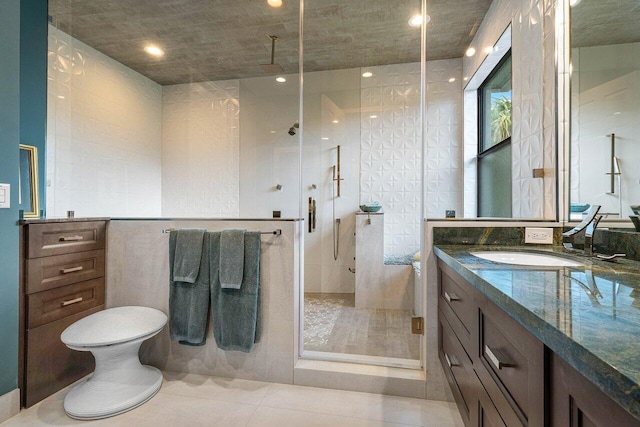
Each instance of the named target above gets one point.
<point>273,131</point>
<point>281,79</point>
<point>153,50</point>
<point>324,138</point>
<point>488,50</point>
<point>465,79</point>
<point>60,96</point>
<point>574,2</point>
<point>452,79</point>
<point>416,20</point>
<point>471,51</point>
<point>335,121</point>
<point>367,74</point>
<point>274,3</point>
<point>373,116</point>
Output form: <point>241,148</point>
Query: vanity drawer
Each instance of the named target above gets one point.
<point>457,366</point>
<point>50,365</point>
<point>486,412</point>
<point>54,304</point>
<point>457,302</point>
<point>64,238</point>
<point>55,271</point>
<point>511,367</point>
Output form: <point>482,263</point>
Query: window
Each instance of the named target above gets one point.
<point>494,142</point>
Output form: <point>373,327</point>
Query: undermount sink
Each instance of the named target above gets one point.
<point>526,258</point>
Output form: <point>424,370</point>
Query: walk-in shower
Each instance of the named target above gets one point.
<point>361,144</point>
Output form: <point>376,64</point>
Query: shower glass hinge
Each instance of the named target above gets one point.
<point>417,325</point>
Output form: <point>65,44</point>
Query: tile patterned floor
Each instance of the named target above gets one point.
<point>196,400</point>
<point>332,323</point>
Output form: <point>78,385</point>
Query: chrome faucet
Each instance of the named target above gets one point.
<point>587,227</point>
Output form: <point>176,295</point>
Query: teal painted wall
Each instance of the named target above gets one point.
<point>33,81</point>
<point>9,141</point>
<point>23,109</point>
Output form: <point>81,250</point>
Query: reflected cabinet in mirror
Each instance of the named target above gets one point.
<point>605,107</point>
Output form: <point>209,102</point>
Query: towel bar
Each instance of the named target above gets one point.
<point>277,232</point>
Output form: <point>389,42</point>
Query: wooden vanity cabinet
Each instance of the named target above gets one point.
<point>501,375</point>
<point>62,280</point>
<point>505,366</point>
<point>577,402</point>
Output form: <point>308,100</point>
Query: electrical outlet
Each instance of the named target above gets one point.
<point>5,196</point>
<point>540,236</point>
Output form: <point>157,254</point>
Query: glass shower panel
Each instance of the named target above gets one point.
<point>269,147</point>
<point>173,112</point>
<point>361,145</point>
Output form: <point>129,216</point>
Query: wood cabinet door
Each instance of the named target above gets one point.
<point>51,365</point>
<point>577,402</point>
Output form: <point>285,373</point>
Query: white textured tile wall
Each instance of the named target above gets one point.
<point>529,199</point>
<point>200,150</point>
<point>268,154</point>
<point>103,134</point>
<point>329,96</point>
<point>390,152</point>
<point>444,149</point>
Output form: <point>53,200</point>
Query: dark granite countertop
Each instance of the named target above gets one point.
<point>56,220</point>
<point>588,315</point>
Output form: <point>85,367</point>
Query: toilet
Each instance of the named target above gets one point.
<point>120,382</point>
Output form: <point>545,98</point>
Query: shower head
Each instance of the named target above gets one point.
<point>292,129</point>
<point>272,68</point>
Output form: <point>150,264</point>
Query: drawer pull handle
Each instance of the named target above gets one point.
<point>451,296</point>
<point>71,238</point>
<point>497,358</point>
<point>451,360</point>
<point>71,270</point>
<point>71,301</point>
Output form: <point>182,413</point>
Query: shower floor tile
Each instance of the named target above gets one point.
<point>333,324</point>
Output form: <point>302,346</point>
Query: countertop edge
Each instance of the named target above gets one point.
<point>622,389</point>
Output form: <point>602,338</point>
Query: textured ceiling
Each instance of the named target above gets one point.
<point>225,39</point>
<point>603,22</point>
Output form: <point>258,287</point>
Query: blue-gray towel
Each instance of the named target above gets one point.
<point>236,312</point>
<point>231,258</point>
<point>188,252</point>
<point>189,302</point>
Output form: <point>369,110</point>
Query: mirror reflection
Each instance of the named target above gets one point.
<point>605,107</point>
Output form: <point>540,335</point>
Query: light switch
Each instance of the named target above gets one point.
<point>5,196</point>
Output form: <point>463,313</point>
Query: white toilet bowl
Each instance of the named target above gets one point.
<point>120,382</point>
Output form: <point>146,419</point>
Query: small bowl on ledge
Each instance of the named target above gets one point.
<point>370,207</point>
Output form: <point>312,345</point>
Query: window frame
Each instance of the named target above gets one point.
<point>481,128</point>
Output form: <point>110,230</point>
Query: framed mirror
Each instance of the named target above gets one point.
<point>604,154</point>
<point>28,196</point>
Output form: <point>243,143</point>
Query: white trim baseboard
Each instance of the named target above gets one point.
<point>9,404</point>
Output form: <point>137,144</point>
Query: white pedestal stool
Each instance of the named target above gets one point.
<point>120,382</point>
